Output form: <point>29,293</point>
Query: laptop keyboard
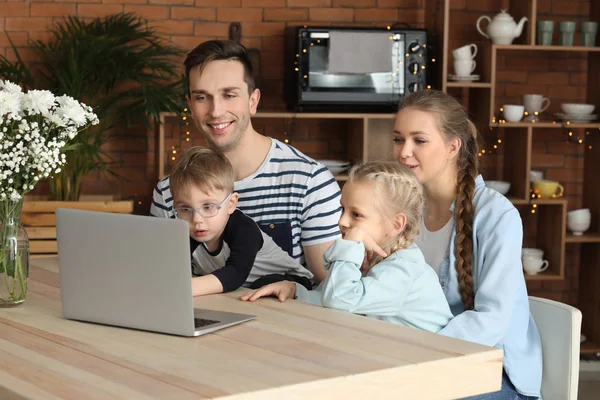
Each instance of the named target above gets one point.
<point>200,322</point>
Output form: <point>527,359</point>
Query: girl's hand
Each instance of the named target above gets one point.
<point>371,247</point>
<point>282,290</point>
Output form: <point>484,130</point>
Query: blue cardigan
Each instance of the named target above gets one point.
<point>501,317</point>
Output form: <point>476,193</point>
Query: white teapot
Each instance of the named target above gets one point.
<point>502,29</point>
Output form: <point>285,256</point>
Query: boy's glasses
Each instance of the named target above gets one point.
<point>206,211</point>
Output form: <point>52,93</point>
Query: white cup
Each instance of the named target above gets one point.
<point>533,265</point>
<point>464,67</point>
<point>513,112</point>
<point>467,52</point>
<point>531,252</point>
<point>535,103</point>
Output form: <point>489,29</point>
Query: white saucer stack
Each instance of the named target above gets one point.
<point>335,166</point>
<point>575,112</point>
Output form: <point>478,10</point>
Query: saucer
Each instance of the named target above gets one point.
<point>577,117</point>
<point>469,78</point>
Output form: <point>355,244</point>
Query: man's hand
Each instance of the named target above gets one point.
<point>282,290</point>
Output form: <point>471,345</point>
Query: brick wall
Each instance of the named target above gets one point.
<point>187,23</point>
<point>560,76</point>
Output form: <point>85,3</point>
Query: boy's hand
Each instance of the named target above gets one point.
<point>282,290</point>
<point>371,247</point>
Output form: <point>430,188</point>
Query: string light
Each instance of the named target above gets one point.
<point>288,130</point>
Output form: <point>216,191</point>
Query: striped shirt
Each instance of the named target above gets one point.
<point>292,197</point>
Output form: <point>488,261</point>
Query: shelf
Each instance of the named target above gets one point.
<point>549,202</point>
<point>523,202</point>
<point>543,276</point>
<point>482,85</point>
<point>585,238</point>
<point>308,115</point>
<point>589,347</point>
<point>545,48</point>
<point>555,125</point>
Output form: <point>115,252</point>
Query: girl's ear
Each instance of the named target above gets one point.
<point>398,224</point>
<point>232,203</point>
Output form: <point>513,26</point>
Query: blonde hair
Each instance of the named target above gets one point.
<point>204,168</point>
<point>398,191</point>
<point>453,121</point>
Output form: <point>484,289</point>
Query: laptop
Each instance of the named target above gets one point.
<point>131,271</point>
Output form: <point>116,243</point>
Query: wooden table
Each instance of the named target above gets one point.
<point>291,351</point>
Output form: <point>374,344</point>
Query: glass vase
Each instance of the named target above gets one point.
<point>14,255</point>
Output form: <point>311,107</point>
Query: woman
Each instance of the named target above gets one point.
<point>472,237</point>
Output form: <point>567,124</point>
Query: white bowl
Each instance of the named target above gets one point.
<point>578,223</point>
<point>578,227</point>
<point>577,109</point>
<point>536,176</point>
<point>499,186</point>
<point>337,170</point>
<point>582,213</point>
<point>513,112</point>
<point>334,163</point>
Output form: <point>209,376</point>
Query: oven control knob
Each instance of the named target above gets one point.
<point>414,68</point>
<point>414,47</point>
<point>413,87</point>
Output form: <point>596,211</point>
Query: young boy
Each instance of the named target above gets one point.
<point>228,248</point>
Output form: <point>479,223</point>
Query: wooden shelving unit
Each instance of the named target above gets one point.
<point>585,238</point>
<point>552,234</point>
<point>543,276</point>
<point>480,85</point>
<point>369,135</point>
<point>536,47</point>
<point>547,124</point>
<point>590,347</point>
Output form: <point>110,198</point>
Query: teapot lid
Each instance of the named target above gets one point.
<point>503,15</point>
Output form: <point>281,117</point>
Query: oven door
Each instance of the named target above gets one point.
<point>337,75</point>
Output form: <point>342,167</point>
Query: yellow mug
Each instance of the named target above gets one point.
<point>547,189</point>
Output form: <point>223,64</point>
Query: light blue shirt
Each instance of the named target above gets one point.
<point>501,317</point>
<point>401,289</point>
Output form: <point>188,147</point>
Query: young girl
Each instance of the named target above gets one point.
<point>471,236</point>
<point>375,269</point>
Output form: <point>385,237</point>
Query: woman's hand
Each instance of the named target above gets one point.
<point>282,290</point>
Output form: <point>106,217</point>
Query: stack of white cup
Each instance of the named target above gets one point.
<point>464,60</point>
<point>533,261</point>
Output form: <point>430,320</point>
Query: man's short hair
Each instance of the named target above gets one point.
<point>204,168</point>
<point>214,50</point>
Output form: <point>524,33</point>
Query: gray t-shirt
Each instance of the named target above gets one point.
<point>245,254</point>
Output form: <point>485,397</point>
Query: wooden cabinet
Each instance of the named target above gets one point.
<point>481,99</point>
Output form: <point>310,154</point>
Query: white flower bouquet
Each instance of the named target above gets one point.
<point>35,131</point>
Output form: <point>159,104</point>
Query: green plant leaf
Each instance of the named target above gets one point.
<point>116,64</point>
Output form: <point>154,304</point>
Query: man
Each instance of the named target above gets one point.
<point>293,198</point>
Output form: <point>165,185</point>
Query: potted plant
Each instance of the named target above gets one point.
<point>120,67</point>
<point>116,64</point>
